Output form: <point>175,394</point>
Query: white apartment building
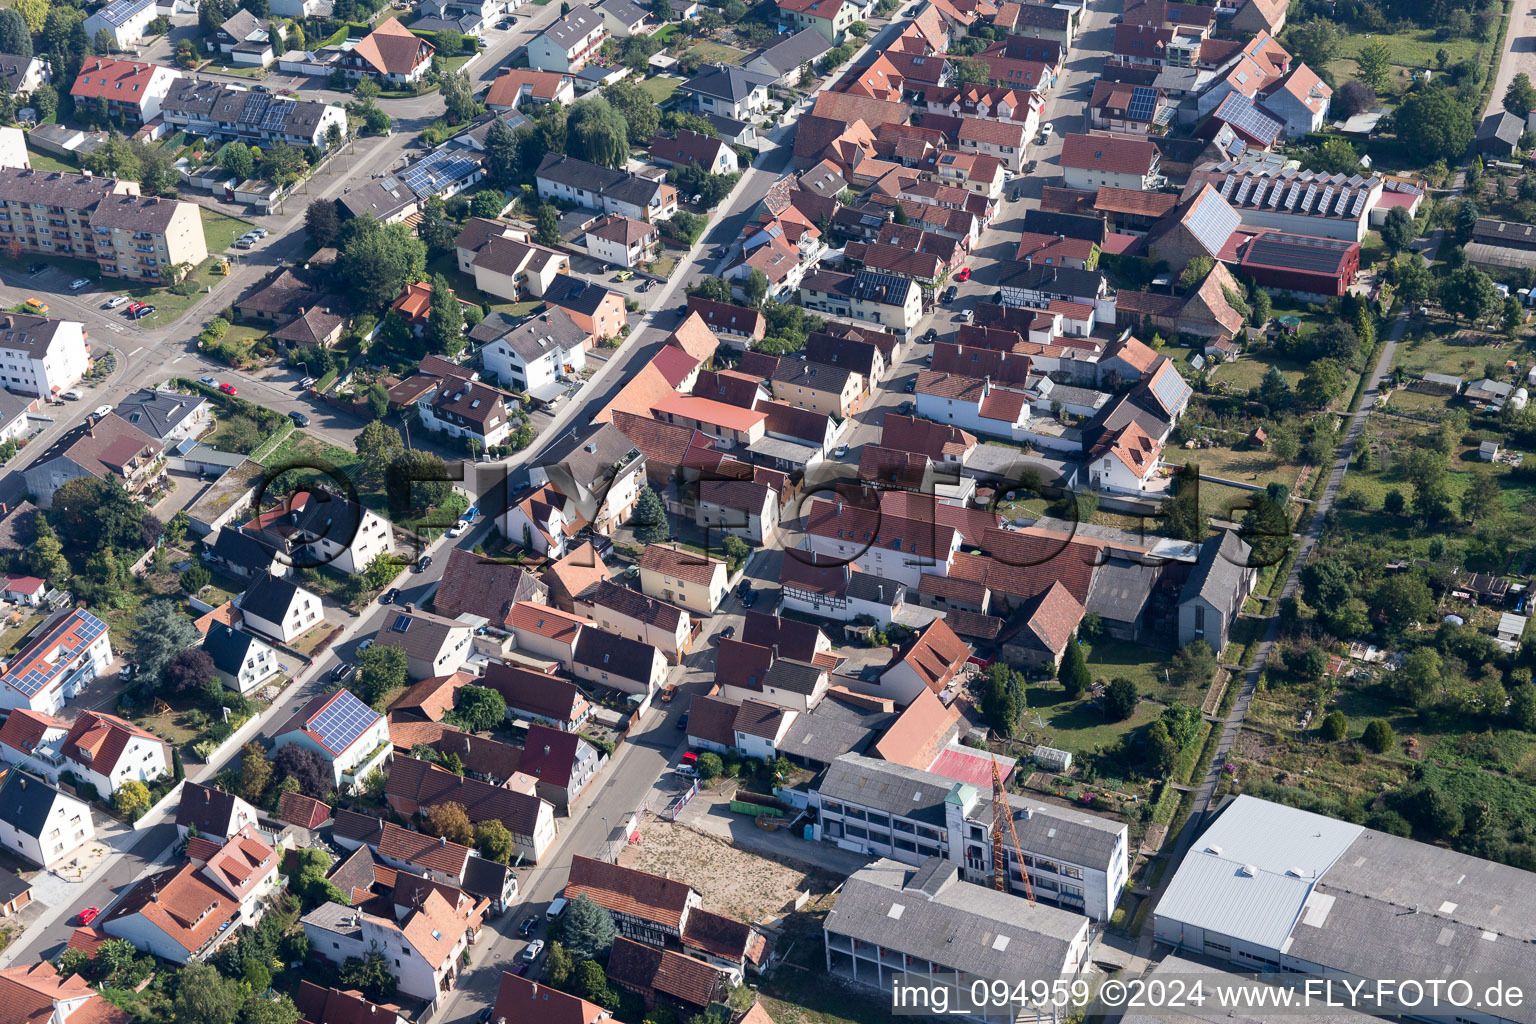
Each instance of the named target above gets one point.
<point>40,823</point>
<point>39,356</point>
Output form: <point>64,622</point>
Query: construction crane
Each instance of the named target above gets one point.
<point>1002,818</point>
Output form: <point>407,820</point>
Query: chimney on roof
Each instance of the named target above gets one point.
<point>442,840</point>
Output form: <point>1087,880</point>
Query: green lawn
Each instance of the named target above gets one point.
<point>1248,370</point>
<point>1080,725</point>
<point>1444,350</point>
<point>47,162</point>
<point>661,88</point>
<point>1412,51</point>
<point>717,53</point>
<point>664,34</point>
<point>1257,467</point>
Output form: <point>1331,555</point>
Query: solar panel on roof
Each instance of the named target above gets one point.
<point>1360,198</point>
<point>254,109</point>
<point>1143,103</point>
<point>83,625</point>
<point>277,115</point>
<point>1343,202</point>
<point>1227,186</point>
<point>1212,223</point>
<point>1324,202</point>
<point>342,721</point>
<point>1242,192</point>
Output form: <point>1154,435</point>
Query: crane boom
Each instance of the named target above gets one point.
<point>1002,818</point>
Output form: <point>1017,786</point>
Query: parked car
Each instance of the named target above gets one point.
<point>964,274</point>
<point>89,914</point>
<point>931,335</point>
<point>208,382</point>
<point>526,928</point>
<point>750,599</point>
<point>244,243</point>
<point>133,307</point>
<point>840,450</point>
<point>114,302</point>
<point>682,723</point>
<point>905,408</point>
<point>727,632</point>
<point>389,596</point>
<point>744,588</point>
<point>423,563</point>
<point>228,389</point>
<point>259,232</point>
<point>950,293</point>
<point>73,394</point>
<point>1046,131</point>
<point>910,387</point>
<point>534,948</point>
<point>37,306</point>
<point>307,382</point>
<point>33,269</point>
<point>102,410</point>
<point>78,283</point>
<point>126,673</point>
<point>144,311</point>
<point>299,418</point>
<point>690,757</point>
<point>340,672</point>
<point>458,528</point>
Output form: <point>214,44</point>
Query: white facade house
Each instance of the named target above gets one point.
<point>422,946</point>
<point>240,659</point>
<point>1076,860</point>
<point>974,405</point>
<point>39,356</point>
<point>107,752</point>
<point>320,527</point>
<point>40,823</point>
<point>56,666</point>
<point>1126,462</point>
<point>33,742</point>
<point>570,43</point>
<point>532,356</point>
<point>123,20</point>
<point>462,408</point>
<point>280,609</point>
<point>341,729</point>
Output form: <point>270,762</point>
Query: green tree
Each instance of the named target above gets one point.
<point>710,766</point>
<point>1420,677</point>
<point>638,109</point>
<point>599,133</point>
<point>756,287</point>
<point>1180,511</point>
<point>458,93</point>
<point>1334,726</point>
<point>1073,672</point>
<point>1316,42</point>
<point>1397,233</point>
<point>1440,126</point>
<point>1327,584</point>
<point>1321,384</point>
<point>282,165</point>
<point>1120,699</point>
<point>259,1009</point>
<point>160,632</point>
<point>45,557</point>
<point>255,772</point>
<point>479,708</point>
<point>1412,278</point>
<point>445,321</point>
<point>449,821</point>
<point>1002,703</point>
<point>970,71</point>
<point>1468,294</point>
<point>548,230</point>
<point>320,222</point>
<point>1196,271</point>
<point>416,482</point>
<point>501,157</point>
<point>204,996</point>
<point>588,930</point>
<point>487,203</point>
<point>379,260</point>
<point>1427,472</point>
<point>1522,706</point>
<point>589,982</point>
<point>378,446</point>
<point>435,229</point>
<point>237,159</point>
<point>1194,664</point>
<point>494,841</point>
<point>649,521</point>
<point>15,37</point>
<point>1520,97</point>
<point>370,975</point>
<point>735,551</point>
<point>381,671</point>
<point>1335,156</point>
<point>1161,752</point>
<point>1482,498</point>
<point>1373,64</point>
<point>1378,736</point>
<point>131,799</point>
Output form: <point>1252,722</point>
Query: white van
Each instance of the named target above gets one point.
<point>555,909</point>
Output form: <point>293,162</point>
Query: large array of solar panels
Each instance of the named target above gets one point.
<point>41,671</point>
<point>1248,117</point>
<point>438,171</point>
<point>1171,390</point>
<point>1306,192</point>
<point>255,107</point>
<point>342,721</point>
<point>1212,222</point>
<point>278,112</point>
<point>118,12</point>
<point>1297,252</point>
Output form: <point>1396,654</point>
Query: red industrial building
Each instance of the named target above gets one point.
<point>1301,263</point>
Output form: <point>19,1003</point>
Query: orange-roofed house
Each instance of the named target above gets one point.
<point>519,999</point>
<point>694,337</point>
<point>34,741</point>
<point>830,18</point>
<point>1126,462</point>
<point>132,90</point>
<point>923,729</point>
<point>516,86</point>
<point>544,522</point>
<point>682,577</point>
<point>39,994</point>
<point>728,426</point>
<point>430,939</point>
<point>108,751</point>
<point>391,53</point>
<point>65,657</point>
<point>645,388</point>
<point>303,811</point>
<point>931,660</point>
<point>318,1005</point>
<point>1048,628</point>
<point>572,574</point>
<point>186,913</point>
<point>547,632</point>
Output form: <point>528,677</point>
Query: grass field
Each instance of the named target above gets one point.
<point>1442,349</point>
<point>1078,725</point>
<point>717,53</point>
<point>661,88</point>
<point>48,162</point>
<point>1248,370</point>
<point>1411,51</point>
<point>1257,467</point>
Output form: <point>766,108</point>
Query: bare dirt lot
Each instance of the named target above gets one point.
<point>732,882</point>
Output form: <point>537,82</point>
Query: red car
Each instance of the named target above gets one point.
<point>964,275</point>
<point>88,915</point>
<point>689,757</point>
<point>228,389</point>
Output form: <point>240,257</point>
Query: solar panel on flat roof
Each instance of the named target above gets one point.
<point>1306,202</point>
<point>1324,202</point>
<point>1360,198</point>
<point>1291,195</point>
<point>1242,192</point>
<point>1228,185</point>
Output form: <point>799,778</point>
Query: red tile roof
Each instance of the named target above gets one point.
<point>304,811</point>
<point>919,733</point>
<point>936,655</point>
<point>679,563</point>
<point>1107,153</point>
<point>125,81</point>
<point>627,891</point>
<point>674,364</point>
<point>97,740</point>
<point>393,49</point>
<point>519,999</point>
<point>1055,618</point>
<point>548,622</point>
<point>636,965</point>
<point>24,728</point>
